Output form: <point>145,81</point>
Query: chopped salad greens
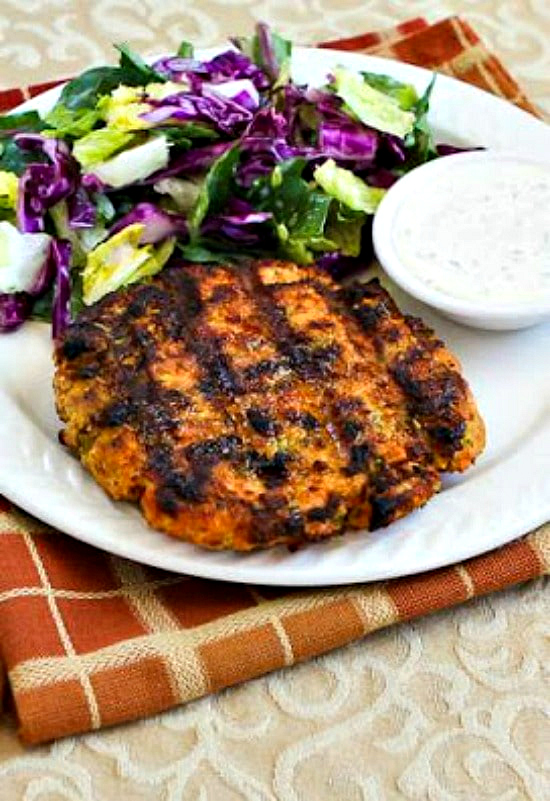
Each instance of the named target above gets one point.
<point>138,165</point>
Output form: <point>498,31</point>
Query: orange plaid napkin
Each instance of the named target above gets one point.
<point>89,640</point>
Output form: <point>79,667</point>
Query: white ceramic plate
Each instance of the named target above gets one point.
<point>504,495</point>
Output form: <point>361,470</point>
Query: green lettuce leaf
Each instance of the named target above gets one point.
<point>420,141</point>
<point>344,229</point>
<point>183,135</point>
<point>28,121</point>
<point>59,216</point>
<point>66,122</point>
<point>42,306</point>
<point>185,50</point>
<point>181,193</point>
<point>100,145</point>
<point>122,260</point>
<point>299,210</point>
<point>12,158</point>
<point>22,257</point>
<point>404,93</point>
<point>125,106</point>
<point>134,163</point>
<point>371,106</point>
<point>134,69</point>
<point>215,190</point>
<point>86,90</point>
<point>9,183</point>
<point>82,239</point>
<point>213,253</point>
<point>348,188</point>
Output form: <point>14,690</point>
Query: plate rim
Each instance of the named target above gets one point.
<point>225,572</point>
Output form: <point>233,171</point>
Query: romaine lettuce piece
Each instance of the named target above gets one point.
<point>420,141</point>
<point>8,193</point>
<point>404,93</point>
<point>63,121</point>
<point>344,228</point>
<point>121,260</point>
<point>98,146</point>
<point>82,240</point>
<point>23,259</point>
<point>372,107</point>
<point>183,192</point>
<point>348,188</point>
<point>216,188</point>
<point>123,109</point>
<point>134,164</point>
<point>159,91</point>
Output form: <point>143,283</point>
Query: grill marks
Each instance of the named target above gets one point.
<point>270,412</point>
<point>261,404</point>
<point>367,412</point>
<point>262,422</point>
<point>196,367</point>
<point>438,399</point>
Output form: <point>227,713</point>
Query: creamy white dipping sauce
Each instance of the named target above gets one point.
<point>480,231</point>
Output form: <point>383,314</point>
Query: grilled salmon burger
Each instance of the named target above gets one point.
<point>245,407</point>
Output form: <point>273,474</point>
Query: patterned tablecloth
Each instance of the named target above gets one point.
<point>455,706</point>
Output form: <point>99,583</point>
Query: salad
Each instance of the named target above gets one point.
<point>138,165</point>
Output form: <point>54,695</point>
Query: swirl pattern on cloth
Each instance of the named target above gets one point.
<point>55,38</point>
<point>454,706</point>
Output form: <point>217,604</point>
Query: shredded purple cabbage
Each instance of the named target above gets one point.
<point>42,185</point>
<point>175,68</point>
<point>241,92</point>
<point>232,65</point>
<point>239,222</point>
<point>348,141</point>
<point>227,66</point>
<point>225,114</point>
<point>93,184</point>
<point>159,224</point>
<point>14,310</point>
<point>61,307</point>
<point>266,143</point>
<point>260,154</point>
<point>44,276</point>
<point>192,161</point>
<point>246,100</point>
<point>381,178</point>
<point>339,266</point>
<point>268,122</point>
<point>81,210</point>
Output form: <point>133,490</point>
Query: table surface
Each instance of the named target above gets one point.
<point>454,706</point>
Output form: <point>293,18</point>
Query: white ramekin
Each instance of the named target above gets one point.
<point>474,313</point>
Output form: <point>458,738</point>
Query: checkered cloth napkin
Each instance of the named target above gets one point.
<point>89,640</point>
